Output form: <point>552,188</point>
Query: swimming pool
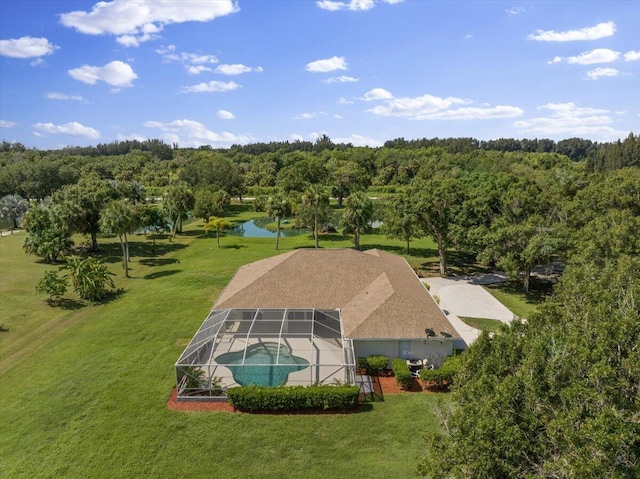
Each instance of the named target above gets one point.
<point>260,364</point>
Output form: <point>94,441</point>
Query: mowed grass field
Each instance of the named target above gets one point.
<point>84,387</point>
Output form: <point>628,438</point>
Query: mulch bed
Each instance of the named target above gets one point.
<point>387,383</point>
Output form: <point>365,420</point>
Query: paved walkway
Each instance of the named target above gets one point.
<point>467,297</point>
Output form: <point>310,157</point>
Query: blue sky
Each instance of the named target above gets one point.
<point>221,72</point>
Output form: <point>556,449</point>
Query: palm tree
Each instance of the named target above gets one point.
<point>216,224</point>
<point>357,214</point>
<point>119,218</point>
<point>315,200</point>
<point>278,206</point>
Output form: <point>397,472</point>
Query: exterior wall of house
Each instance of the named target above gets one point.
<point>433,350</point>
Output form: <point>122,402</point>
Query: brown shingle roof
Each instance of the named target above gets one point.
<point>377,292</point>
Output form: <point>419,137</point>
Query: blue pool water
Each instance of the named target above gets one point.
<point>256,228</point>
<point>256,368</point>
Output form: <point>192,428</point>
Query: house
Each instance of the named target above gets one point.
<point>304,316</point>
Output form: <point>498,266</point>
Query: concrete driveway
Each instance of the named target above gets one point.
<point>466,297</point>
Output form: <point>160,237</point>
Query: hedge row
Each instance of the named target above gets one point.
<point>444,376</point>
<point>373,365</point>
<point>291,398</point>
<point>402,373</point>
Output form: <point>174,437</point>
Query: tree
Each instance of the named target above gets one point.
<point>48,230</point>
<point>89,197</point>
<point>120,218</point>
<point>213,170</point>
<point>523,235</point>
<point>218,225</point>
<point>153,219</point>
<point>13,207</point>
<point>210,203</point>
<point>314,209</point>
<point>357,215</point>
<point>400,218</point>
<point>90,278</point>
<point>178,201</point>
<point>347,176</point>
<point>438,200</point>
<point>278,206</point>
<point>556,396</point>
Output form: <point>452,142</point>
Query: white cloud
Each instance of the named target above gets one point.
<point>343,101</point>
<point>468,37</point>
<point>353,5</point>
<point>377,94</point>
<point>114,73</point>
<point>26,47</point>
<point>194,63</point>
<point>308,116</point>
<point>429,107</point>
<point>341,79</point>
<point>197,69</point>
<point>62,96</point>
<point>337,116</point>
<point>237,69</point>
<point>37,62</point>
<point>225,115</point>
<point>327,65</point>
<point>73,129</point>
<point>513,11</point>
<point>7,124</point>
<point>191,133</point>
<point>132,137</point>
<point>601,30</point>
<point>140,21</point>
<point>358,140</point>
<point>212,86</point>
<point>568,119</point>
<point>632,55</point>
<point>599,55</point>
<point>602,72</point>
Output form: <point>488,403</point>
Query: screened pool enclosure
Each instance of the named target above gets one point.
<point>268,347</point>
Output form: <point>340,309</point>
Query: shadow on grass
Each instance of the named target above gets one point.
<point>3,329</point>
<point>233,246</point>
<point>539,290</point>
<point>161,274</point>
<point>158,261</point>
<point>112,252</point>
<point>112,296</point>
<point>65,303</point>
<point>192,233</point>
<point>238,208</point>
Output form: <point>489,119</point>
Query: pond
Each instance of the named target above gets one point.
<point>256,228</point>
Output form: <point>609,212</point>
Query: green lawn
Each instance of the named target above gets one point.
<point>85,388</point>
<point>521,304</point>
<point>483,324</point>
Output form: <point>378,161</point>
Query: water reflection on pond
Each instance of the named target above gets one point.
<point>256,228</point>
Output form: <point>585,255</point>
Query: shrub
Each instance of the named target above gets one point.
<point>291,398</point>
<point>52,285</point>
<point>402,373</point>
<point>362,363</point>
<point>442,377</point>
<point>90,278</point>
<point>376,364</point>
